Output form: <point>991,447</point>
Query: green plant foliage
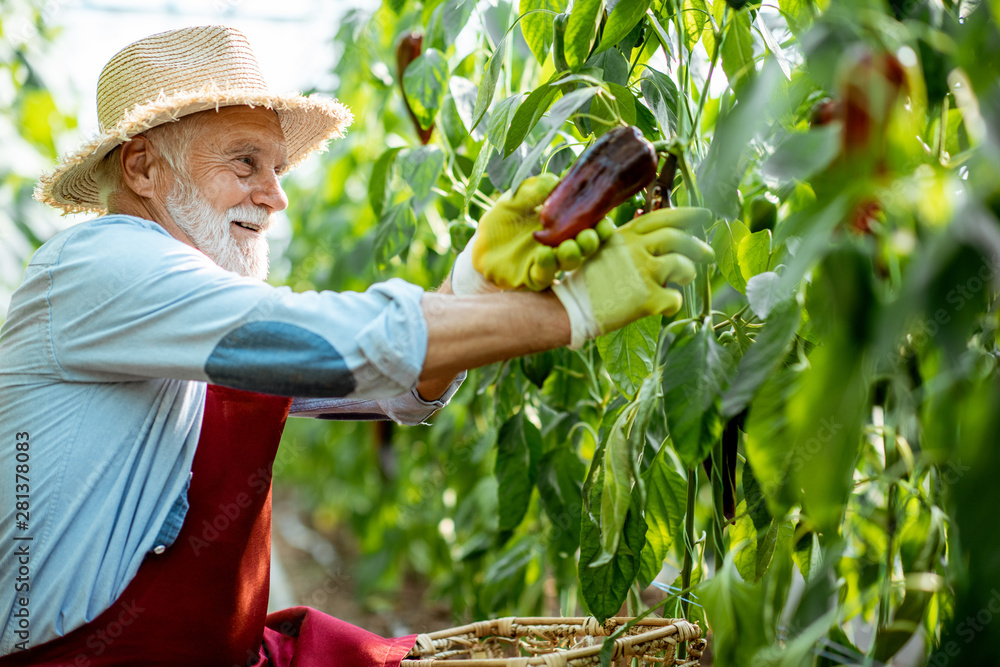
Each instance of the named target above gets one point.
<point>425,82</point>
<point>537,27</point>
<point>665,498</point>
<point>581,30</point>
<point>604,586</point>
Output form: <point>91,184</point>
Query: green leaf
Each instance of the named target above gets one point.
<point>618,467</point>
<point>501,119</point>
<point>767,352</point>
<point>660,93</point>
<point>727,160</point>
<point>666,499</point>
<point>718,10</point>
<point>661,35</point>
<point>558,114</point>
<point>477,173</point>
<point>464,93</point>
<point>39,119</point>
<point>604,588</point>
<point>624,104</point>
<point>735,611</point>
<point>826,416</point>
<point>581,30</point>
<point>394,232</point>
<point>773,46</point>
<point>528,113</point>
<point>798,14</point>
<point>509,394</point>
<point>743,543</point>
<point>737,49</point>
<point>424,83</point>
<point>802,155</point>
<point>628,353</point>
<point>622,19</point>
<point>613,66</point>
<point>560,487</point>
<point>504,580</point>
<point>694,17</point>
<point>807,554</point>
<point>537,28</point>
<point>449,123</point>
<point>755,500</point>
<point>447,21</point>
<point>396,6</point>
<point>537,367</point>
<point>488,86</point>
<point>421,168</point>
<point>752,547</point>
<point>519,442</point>
<point>754,253</point>
<point>378,184</point>
<point>770,440</point>
<point>501,171</point>
<point>764,292</point>
<point>907,619</point>
<point>695,372</point>
<point>726,243</point>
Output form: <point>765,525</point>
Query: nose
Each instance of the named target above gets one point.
<point>269,193</point>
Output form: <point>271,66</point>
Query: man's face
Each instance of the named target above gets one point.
<point>228,189</point>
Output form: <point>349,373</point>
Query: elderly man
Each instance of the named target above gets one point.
<point>146,370</point>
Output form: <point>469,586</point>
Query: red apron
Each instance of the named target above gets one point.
<point>203,601</point>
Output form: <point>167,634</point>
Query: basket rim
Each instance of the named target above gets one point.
<point>551,620</point>
<point>661,628</point>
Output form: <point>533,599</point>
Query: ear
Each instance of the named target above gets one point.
<point>143,168</point>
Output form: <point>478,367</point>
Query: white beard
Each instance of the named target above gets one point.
<point>210,230</point>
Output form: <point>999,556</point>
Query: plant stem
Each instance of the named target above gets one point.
<point>706,292</point>
<point>942,131</point>
<point>718,482</point>
<point>689,181</point>
<point>891,456</point>
<point>719,38</point>
<point>683,69</point>
<point>595,119</point>
<point>688,565</point>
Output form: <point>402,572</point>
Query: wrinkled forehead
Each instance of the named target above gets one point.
<point>241,125</point>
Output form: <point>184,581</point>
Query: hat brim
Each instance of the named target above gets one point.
<point>308,123</point>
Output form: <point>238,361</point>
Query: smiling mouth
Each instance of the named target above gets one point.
<point>247,225</point>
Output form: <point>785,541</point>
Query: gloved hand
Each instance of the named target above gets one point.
<point>503,255</point>
<point>624,281</point>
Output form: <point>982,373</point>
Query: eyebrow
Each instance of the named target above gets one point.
<point>248,148</point>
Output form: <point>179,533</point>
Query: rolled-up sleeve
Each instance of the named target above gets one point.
<point>395,341</point>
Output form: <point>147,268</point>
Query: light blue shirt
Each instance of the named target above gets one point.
<point>104,358</point>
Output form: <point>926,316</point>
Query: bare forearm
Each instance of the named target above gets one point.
<point>472,331</point>
<point>432,388</point>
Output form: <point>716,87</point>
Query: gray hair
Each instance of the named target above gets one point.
<point>172,139</point>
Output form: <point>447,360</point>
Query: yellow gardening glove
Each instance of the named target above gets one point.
<point>625,280</point>
<point>503,250</point>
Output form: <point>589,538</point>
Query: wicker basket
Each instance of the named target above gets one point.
<point>556,642</point>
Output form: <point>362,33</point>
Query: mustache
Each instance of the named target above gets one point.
<point>257,215</point>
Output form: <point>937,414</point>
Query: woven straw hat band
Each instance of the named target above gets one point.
<point>208,56</point>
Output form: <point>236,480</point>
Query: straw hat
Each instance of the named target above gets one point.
<point>173,74</point>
